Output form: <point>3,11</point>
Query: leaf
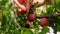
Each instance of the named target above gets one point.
<point>36,24</point>
<point>6,13</point>
<point>4,20</point>
<point>45,29</point>
<point>3,2</point>
<point>17,32</point>
<point>41,33</point>
<point>57,4</point>
<point>28,32</point>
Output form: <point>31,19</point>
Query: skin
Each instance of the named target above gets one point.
<point>21,5</point>
<point>43,2</point>
<point>39,2</point>
<point>26,4</point>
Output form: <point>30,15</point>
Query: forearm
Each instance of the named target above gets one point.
<point>43,2</point>
<point>20,5</point>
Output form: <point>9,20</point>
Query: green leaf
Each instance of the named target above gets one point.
<point>28,32</point>
<point>6,13</point>
<point>36,24</point>
<point>57,4</point>
<point>45,29</point>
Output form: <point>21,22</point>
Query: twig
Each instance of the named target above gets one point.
<point>53,15</point>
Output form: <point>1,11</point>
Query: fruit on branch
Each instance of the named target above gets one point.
<point>31,17</point>
<point>27,25</point>
<point>44,22</point>
<point>21,11</point>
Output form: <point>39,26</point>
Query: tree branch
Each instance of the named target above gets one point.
<point>53,15</point>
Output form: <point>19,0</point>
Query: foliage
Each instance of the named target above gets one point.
<point>13,23</point>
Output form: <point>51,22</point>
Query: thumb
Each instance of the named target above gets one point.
<point>23,7</point>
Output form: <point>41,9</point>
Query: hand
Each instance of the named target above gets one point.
<point>23,7</point>
<point>20,5</point>
<point>39,2</point>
